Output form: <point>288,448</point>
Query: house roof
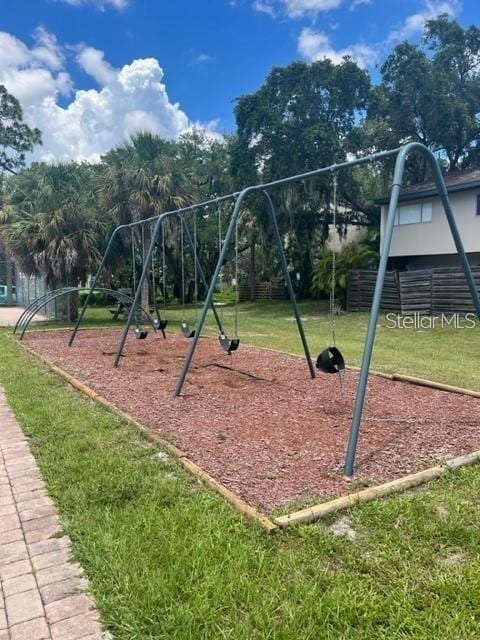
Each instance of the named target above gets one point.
<point>455,181</point>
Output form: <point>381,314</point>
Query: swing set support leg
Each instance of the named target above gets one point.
<point>213,283</point>
<point>403,153</point>
<point>138,291</point>
<point>291,292</point>
<point>209,298</point>
<point>93,285</point>
<point>201,272</point>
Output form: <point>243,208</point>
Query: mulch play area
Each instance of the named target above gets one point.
<point>257,422</point>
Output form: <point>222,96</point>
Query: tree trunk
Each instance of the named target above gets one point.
<point>73,306</point>
<point>9,279</point>
<point>145,295</point>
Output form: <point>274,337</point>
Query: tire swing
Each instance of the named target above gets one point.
<point>140,333</point>
<point>186,330</point>
<point>160,323</point>
<point>331,359</point>
<point>227,344</point>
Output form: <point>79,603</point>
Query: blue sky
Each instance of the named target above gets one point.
<point>199,54</point>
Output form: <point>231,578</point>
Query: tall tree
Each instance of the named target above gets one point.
<point>303,117</point>
<point>431,93</point>
<point>16,137</point>
<point>141,179</point>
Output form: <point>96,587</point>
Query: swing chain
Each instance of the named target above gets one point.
<point>164,270</point>
<point>152,269</point>
<point>220,244</point>
<point>134,277</point>
<point>237,288</point>
<point>195,267</point>
<point>183,267</point>
<point>334,265</point>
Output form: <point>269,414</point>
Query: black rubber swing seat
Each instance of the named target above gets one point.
<point>187,332</point>
<point>227,344</point>
<point>141,334</point>
<point>161,325</point>
<point>331,360</point>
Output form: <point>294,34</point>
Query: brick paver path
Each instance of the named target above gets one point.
<point>42,592</point>
<point>10,315</point>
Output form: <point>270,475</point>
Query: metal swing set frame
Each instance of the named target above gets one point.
<point>400,154</point>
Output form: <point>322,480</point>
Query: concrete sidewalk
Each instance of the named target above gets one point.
<point>10,315</point>
<point>42,592</point>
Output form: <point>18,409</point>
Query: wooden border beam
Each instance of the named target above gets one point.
<point>192,467</point>
<point>303,516</point>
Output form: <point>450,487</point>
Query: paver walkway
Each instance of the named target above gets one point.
<point>42,592</point>
<point>10,315</point>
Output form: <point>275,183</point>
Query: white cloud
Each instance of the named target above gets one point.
<point>127,100</point>
<point>12,51</point>
<point>93,62</point>
<point>264,6</point>
<point>99,4</point>
<point>203,57</point>
<point>33,74</point>
<point>299,8</point>
<point>414,23</point>
<point>357,3</point>
<point>316,45</point>
<point>294,8</point>
<point>47,50</point>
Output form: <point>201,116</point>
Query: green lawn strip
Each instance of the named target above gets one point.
<point>168,559</point>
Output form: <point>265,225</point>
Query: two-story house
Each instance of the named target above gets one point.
<point>422,237</point>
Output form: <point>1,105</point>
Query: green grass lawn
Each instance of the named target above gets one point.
<point>168,559</point>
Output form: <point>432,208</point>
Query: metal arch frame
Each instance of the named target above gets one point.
<point>34,307</point>
<point>401,154</point>
<point>41,300</point>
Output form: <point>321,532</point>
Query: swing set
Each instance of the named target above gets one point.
<point>330,360</point>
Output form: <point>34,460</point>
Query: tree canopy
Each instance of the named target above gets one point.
<point>16,137</point>
<point>430,92</point>
<point>304,116</point>
<point>301,118</point>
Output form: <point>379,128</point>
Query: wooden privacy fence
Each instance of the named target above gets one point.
<point>360,288</point>
<point>270,290</point>
<point>434,290</point>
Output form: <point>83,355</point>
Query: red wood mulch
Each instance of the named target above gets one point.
<point>264,428</point>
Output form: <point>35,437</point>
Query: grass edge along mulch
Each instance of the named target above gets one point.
<point>306,515</point>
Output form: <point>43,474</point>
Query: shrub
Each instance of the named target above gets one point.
<point>356,255</point>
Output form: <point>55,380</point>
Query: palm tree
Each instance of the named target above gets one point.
<point>141,179</point>
<point>355,255</point>
<point>50,223</point>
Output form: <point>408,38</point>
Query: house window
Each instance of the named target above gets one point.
<point>427,208</point>
<point>414,213</point>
